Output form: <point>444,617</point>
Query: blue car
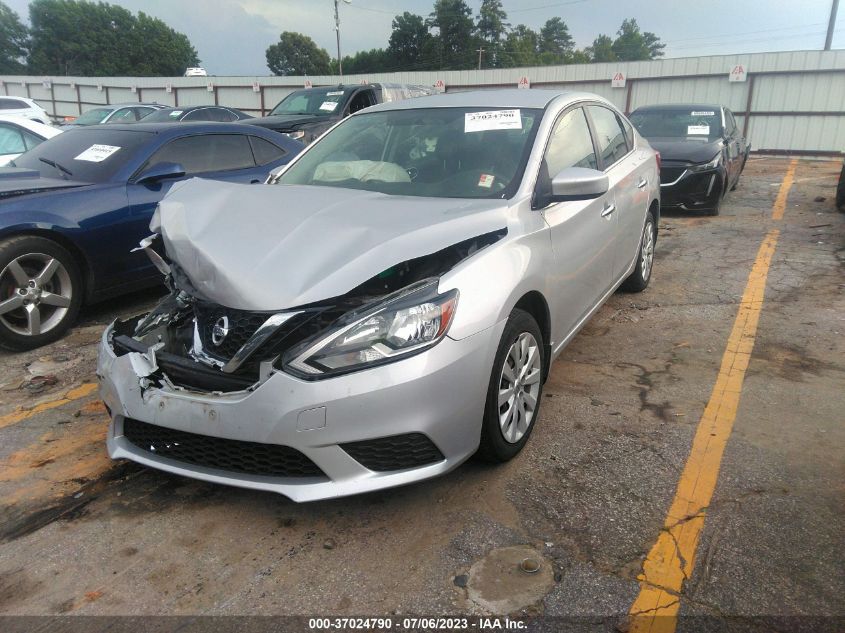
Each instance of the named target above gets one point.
<point>73,208</point>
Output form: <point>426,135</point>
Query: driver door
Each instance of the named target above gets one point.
<point>582,231</point>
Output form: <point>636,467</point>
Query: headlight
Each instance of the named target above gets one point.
<point>296,134</point>
<point>713,164</point>
<point>403,324</point>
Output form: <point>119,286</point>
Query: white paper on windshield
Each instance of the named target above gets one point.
<point>703,114</point>
<point>486,181</point>
<point>335,93</point>
<point>328,105</point>
<point>698,129</point>
<point>492,120</point>
<point>97,153</point>
<point>175,113</point>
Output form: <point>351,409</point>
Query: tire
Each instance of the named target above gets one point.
<point>638,280</point>
<point>40,292</point>
<point>503,435</point>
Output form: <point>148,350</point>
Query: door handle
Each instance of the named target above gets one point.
<point>642,184</point>
<point>608,209</point>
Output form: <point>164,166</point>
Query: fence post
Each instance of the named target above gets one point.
<point>630,83</point>
<point>261,92</point>
<point>748,106</point>
<point>175,96</point>
<point>53,100</point>
<point>108,98</point>
<point>78,99</point>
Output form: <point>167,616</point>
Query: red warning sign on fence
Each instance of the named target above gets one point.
<point>524,82</point>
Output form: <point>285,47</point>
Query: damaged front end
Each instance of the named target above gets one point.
<point>188,342</point>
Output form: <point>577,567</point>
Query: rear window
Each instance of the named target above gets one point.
<point>90,155</point>
<point>13,104</point>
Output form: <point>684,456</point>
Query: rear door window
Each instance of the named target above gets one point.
<point>610,137</point>
<point>11,140</point>
<point>13,104</point>
<point>265,151</point>
<point>207,153</point>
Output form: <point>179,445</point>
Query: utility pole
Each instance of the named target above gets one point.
<point>480,51</point>
<point>337,31</point>
<point>831,25</point>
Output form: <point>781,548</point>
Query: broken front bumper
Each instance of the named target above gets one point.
<point>428,404</point>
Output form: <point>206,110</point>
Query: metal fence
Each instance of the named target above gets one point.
<point>788,102</point>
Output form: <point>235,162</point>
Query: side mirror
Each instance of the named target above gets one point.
<point>578,183</point>
<point>160,171</point>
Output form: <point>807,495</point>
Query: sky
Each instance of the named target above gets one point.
<point>232,35</point>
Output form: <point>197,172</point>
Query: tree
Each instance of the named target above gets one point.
<point>82,38</point>
<point>376,60</point>
<point>455,39</point>
<point>520,47</point>
<point>14,42</point>
<point>556,44</point>
<point>602,49</point>
<point>297,54</point>
<point>408,40</point>
<point>634,45</point>
<point>492,28</point>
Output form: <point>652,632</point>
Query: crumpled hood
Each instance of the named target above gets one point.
<point>273,247</point>
<point>689,151</point>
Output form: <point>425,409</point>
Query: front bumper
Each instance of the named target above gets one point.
<point>439,393</point>
<point>692,190</point>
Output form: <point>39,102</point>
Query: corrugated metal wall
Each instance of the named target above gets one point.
<point>796,104</point>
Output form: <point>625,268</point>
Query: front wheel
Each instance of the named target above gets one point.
<point>40,292</point>
<point>515,390</point>
<point>638,280</point>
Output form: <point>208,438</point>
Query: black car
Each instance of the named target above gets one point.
<point>197,113</point>
<point>305,114</point>
<point>702,150</point>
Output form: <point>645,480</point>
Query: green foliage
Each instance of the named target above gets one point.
<point>521,47</point>
<point>455,39</point>
<point>72,37</point>
<point>634,45</point>
<point>556,42</point>
<point>602,49</point>
<point>492,27</point>
<point>14,42</point>
<point>408,43</point>
<point>297,54</point>
<point>372,61</point>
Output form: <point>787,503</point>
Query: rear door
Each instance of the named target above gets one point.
<point>626,170</point>
<point>582,231</point>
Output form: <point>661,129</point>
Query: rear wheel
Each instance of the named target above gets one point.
<point>40,292</point>
<point>515,390</point>
<point>638,280</point>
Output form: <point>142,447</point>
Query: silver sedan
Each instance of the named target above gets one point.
<point>390,303</point>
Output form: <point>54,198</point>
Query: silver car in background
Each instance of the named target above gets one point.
<point>391,303</point>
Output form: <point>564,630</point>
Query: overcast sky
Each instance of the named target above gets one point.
<point>232,35</point>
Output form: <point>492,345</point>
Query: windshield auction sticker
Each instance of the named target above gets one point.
<point>97,153</point>
<point>698,129</point>
<point>704,113</point>
<point>328,105</point>
<point>492,120</point>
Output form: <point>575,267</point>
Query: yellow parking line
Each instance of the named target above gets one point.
<point>672,558</point>
<point>780,202</point>
<point>76,393</point>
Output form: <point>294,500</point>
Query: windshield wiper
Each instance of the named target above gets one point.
<point>58,167</point>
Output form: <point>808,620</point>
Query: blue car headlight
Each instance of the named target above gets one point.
<point>405,323</point>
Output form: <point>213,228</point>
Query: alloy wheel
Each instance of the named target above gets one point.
<point>647,251</point>
<point>35,294</point>
<point>519,387</point>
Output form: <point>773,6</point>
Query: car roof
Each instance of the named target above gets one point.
<point>196,107</point>
<point>168,129</point>
<point>680,106</point>
<point>508,98</point>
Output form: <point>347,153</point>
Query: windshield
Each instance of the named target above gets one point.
<point>92,155</point>
<point>93,117</point>
<point>684,123</point>
<point>313,101</point>
<point>436,152</point>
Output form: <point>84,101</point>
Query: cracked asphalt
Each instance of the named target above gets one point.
<point>587,498</point>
